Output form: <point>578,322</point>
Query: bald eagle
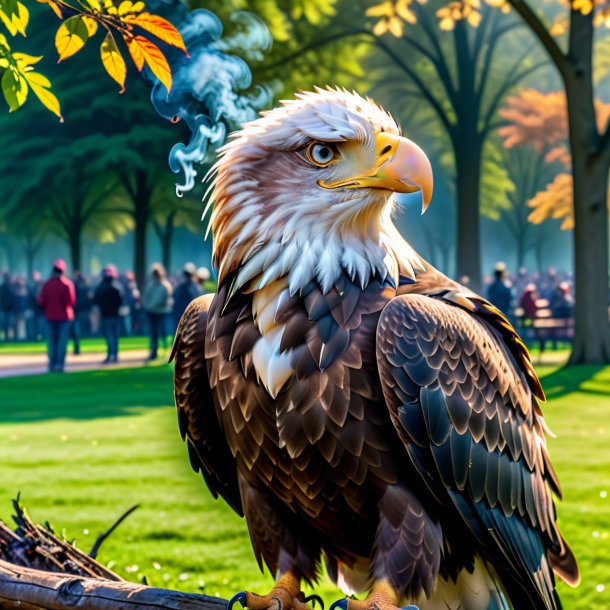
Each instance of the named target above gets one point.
<point>352,402</point>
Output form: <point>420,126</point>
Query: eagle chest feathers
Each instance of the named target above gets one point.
<point>297,391</point>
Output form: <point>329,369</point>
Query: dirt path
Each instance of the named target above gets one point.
<point>16,365</point>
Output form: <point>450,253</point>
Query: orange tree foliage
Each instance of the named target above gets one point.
<point>79,22</point>
<point>540,120</point>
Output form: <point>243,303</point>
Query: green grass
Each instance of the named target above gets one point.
<point>92,345</point>
<point>84,447</point>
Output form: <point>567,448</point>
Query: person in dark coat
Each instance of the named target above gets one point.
<point>6,306</point>
<point>109,298</point>
<point>36,326</point>
<point>157,303</point>
<point>500,291</point>
<point>57,298</point>
<point>187,290</point>
<point>81,327</point>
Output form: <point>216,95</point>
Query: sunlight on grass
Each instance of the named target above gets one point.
<point>84,448</point>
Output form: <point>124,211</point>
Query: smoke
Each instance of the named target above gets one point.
<point>211,89</point>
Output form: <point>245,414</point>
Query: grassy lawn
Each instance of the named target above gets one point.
<point>83,448</point>
<point>87,346</point>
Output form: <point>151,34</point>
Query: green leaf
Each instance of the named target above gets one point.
<point>14,88</point>
<point>71,36</point>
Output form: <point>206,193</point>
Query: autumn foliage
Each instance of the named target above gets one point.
<point>140,31</point>
<point>540,120</point>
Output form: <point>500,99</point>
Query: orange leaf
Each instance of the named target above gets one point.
<point>160,27</point>
<point>113,60</point>
<point>141,50</point>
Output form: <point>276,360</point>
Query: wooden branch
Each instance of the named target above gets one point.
<point>29,589</point>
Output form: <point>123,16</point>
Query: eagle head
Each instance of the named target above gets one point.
<point>306,191</point>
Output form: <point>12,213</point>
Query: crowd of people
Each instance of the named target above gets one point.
<point>60,309</point>
<point>540,305</point>
<point>526,296</point>
<point>112,306</point>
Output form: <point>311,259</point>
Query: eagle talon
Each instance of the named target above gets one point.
<point>240,597</point>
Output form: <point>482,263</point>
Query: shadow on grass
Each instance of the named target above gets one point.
<point>570,379</point>
<point>85,395</point>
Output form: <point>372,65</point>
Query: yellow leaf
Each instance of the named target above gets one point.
<point>125,7</point>
<point>404,12</point>
<point>381,27</point>
<point>26,60</point>
<point>15,89</point>
<point>16,21</point>
<point>446,24</point>
<point>160,27</point>
<point>40,86</point>
<point>71,36</point>
<point>141,50</point>
<point>474,19</point>
<point>384,9</point>
<point>113,60</point>
<point>91,24</point>
<point>395,27</point>
<point>54,6</point>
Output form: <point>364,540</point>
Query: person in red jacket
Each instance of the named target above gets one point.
<point>57,298</point>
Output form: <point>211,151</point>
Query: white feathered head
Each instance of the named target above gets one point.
<point>312,179</point>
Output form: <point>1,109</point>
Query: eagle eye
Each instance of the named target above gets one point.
<point>320,154</point>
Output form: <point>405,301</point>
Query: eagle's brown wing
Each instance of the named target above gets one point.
<point>462,405</point>
<point>197,419</point>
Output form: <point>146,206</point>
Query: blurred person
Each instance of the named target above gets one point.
<point>157,303</point>
<point>562,303</point>
<point>500,291</point>
<point>36,328</point>
<point>21,310</point>
<point>57,298</point>
<point>529,302</point>
<point>6,306</point>
<point>108,297</point>
<point>130,310</point>
<point>188,288</point>
<point>81,327</point>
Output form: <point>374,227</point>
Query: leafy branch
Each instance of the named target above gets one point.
<point>81,21</point>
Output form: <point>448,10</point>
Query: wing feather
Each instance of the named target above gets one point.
<point>199,426</point>
<point>466,411</point>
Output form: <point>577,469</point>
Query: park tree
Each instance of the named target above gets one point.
<point>590,150</point>
<point>59,194</point>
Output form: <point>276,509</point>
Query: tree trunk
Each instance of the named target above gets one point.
<point>140,250</point>
<point>167,237</point>
<point>75,250</point>
<point>590,173</point>
<point>468,179</point>
<point>591,328</point>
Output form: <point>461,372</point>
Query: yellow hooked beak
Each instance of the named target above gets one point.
<point>401,166</point>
